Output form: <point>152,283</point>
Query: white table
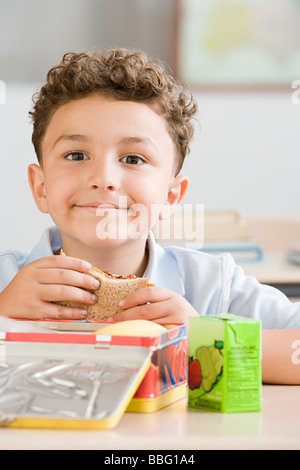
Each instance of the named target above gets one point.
<point>277,426</point>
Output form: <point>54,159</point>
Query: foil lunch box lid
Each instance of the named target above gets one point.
<point>67,381</point>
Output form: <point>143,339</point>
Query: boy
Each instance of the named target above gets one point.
<point>111,131</point>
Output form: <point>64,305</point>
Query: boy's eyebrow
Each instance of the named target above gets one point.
<point>72,137</point>
<point>84,138</point>
<point>138,140</point>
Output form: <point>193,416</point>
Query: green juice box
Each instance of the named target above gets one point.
<point>224,370</point>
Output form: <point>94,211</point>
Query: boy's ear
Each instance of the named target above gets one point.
<point>37,186</point>
<point>177,190</point>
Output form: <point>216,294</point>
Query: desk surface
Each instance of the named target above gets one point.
<point>273,269</point>
<point>177,427</point>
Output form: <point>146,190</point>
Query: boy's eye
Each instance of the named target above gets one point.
<point>133,159</point>
<point>76,156</point>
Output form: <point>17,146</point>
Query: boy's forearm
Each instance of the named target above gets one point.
<point>281,356</point>
<point>3,305</point>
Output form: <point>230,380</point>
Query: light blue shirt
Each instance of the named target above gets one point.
<point>212,284</point>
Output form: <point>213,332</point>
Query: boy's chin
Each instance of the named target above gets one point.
<point>105,241</point>
<point>109,237</point>
<point>115,241</point>
<point>115,234</point>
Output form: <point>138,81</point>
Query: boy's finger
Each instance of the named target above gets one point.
<point>147,311</point>
<point>59,312</point>
<point>68,277</point>
<point>58,293</point>
<point>66,262</point>
<point>151,294</point>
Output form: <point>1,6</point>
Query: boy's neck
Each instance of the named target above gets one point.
<point>130,257</point>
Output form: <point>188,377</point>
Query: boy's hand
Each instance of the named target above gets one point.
<point>156,304</point>
<point>55,278</point>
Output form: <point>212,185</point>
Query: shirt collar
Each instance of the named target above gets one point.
<point>162,269</point>
<point>48,244</point>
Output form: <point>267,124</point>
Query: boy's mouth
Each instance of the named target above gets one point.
<point>114,221</point>
<point>98,208</point>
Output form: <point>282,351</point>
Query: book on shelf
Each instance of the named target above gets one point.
<point>293,255</point>
<point>242,250</point>
<point>238,230</point>
<point>197,226</point>
<point>213,232</point>
<point>224,218</point>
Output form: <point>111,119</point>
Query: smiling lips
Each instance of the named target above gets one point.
<point>93,207</point>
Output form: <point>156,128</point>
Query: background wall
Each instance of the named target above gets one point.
<point>245,154</point>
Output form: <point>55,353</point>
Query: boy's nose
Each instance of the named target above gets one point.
<point>104,177</point>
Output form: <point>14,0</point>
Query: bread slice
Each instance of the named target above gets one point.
<point>112,289</point>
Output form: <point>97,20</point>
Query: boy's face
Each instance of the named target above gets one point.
<point>108,170</point>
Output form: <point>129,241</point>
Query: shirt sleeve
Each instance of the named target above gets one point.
<point>10,264</point>
<point>249,298</point>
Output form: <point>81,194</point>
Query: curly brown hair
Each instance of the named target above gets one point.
<point>124,75</point>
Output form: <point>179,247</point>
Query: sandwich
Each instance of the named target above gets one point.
<point>113,288</point>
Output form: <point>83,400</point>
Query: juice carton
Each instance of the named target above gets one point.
<point>224,364</point>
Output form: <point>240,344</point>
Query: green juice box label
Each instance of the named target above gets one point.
<point>224,370</point>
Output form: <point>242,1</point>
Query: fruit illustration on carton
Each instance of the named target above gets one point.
<point>207,367</point>
<point>228,350</point>
<point>194,373</point>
